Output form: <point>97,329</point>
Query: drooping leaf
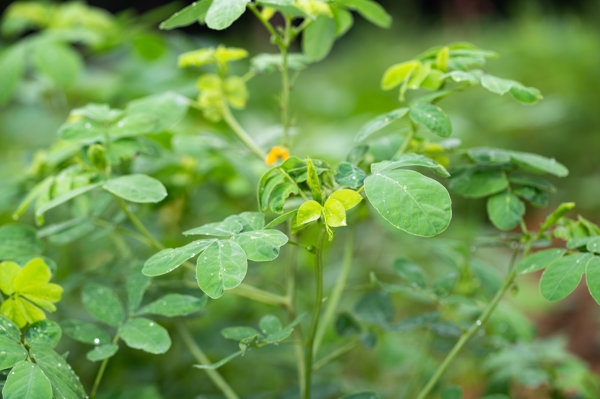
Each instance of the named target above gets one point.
<point>563,276</point>
<point>137,188</point>
<point>145,334</point>
<point>222,13</point>
<point>432,117</point>
<point>379,122</point>
<point>103,303</point>
<point>505,210</point>
<point>27,381</point>
<point>261,245</point>
<point>169,259</point>
<point>222,266</point>
<point>318,38</point>
<point>195,12</point>
<point>172,305</point>
<point>410,201</point>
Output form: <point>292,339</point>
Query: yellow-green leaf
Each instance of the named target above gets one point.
<point>397,73</point>
<point>8,272</point>
<point>335,213</point>
<point>308,212</point>
<point>33,273</point>
<point>348,198</point>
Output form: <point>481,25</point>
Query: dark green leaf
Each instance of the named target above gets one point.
<point>12,352</point>
<point>137,284</point>
<point>85,332</point>
<point>222,266</point>
<point>375,307</point>
<point>432,117</point>
<point>505,210</point>
<point>103,304</point>
<point>27,381</point>
<point>563,276</point>
<point>43,333</point>
<point>102,352</point>
<point>137,188</point>
<point>350,175</point>
<point>170,258</point>
<point>476,183</point>
<point>145,334</point>
<point>172,305</point>
<point>410,272</point>
<point>65,383</point>
<point>261,245</point>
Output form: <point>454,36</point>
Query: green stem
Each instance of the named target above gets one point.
<point>241,133</point>
<point>285,85</point>
<point>201,357</point>
<point>316,315</point>
<point>466,337</point>
<point>251,292</point>
<point>336,293</point>
<point>342,350</point>
<point>276,37</point>
<point>138,224</point>
<point>409,137</point>
<point>101,370</point>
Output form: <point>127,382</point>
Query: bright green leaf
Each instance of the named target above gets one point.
<point>348,198</point>
<point>563,276</point>
<point>169,259</point>
<point>397,74</point>
<point>228,227</point>
<point>371,11</point>
<point>308,212</point>
<point>58,61</point>
<point>12,65</point>
<point>334,213</point>
<point>27,381</point>
<point>261,245</point>
<point>195,12</point>
<point>222,266</point>
<point>318,38</point>
<point>222,13</point>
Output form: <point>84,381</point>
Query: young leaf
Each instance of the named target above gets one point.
<point>195,12</point>
<point>563,276</point>
<point>432,117</point>
<point>137,188</point>
<point>222,13</point>
<point>261,245</point>
<point>371,11</point>
<point>312,179</point>
<point>145,334</point>
<point>222,266</point>
<point>172,305</point>
<point>103,304</point>
<point>27,381</point>
<point>308,212</point>
<point>334,213</point>
<point>410,201</point>
<point>505,210</point>
<point>348,198</point>
<point>102,352</point>
<point>379,122</point>
<point>397,74</point>
<point>540,260</point>
<point>555,216</point>
<point>318,38</point>
<point>169,259</point>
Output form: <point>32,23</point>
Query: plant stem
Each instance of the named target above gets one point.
<point>275,37</point>
<point>241,133</point>
<point>251,292</point>
<point>138,224</point>
<point>101,370</point>
<point>336,293</point>
<point>285,85</point>
<point>201,357</point>
<point>466,337</point>
<point>409,137</point>
<point>335,354</point>
<point>316,314</point>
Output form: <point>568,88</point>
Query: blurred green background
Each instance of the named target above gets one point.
<point>553,46</point>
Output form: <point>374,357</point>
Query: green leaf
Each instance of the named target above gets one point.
<point>489,156</point>
<point>308,212</point>
<point>228,227</point>
<point>348,198</point>
<point>239,333</point>
<point>280,219</point>
<point>477,183</point>
<point>267,63</point>
<point>406,160</point>
<point>496,85</point>
<point>27,381</point>
<point>363,395</point>
<point>410,201</point>
<point>12,65</point>
<point>137,284</point>
<point>462,76</point>
<point>85,332</point>
<point>137,188</point>
<point>410,272</point>
<point>432,117</point>
<point>452,392</point>
<point>312,179</point>
<point>43,333</point>
<point>540,260</point>
<point>505,210</point>
<point>593,245</point>
<point>103,304</point>
<point>334,213</point>
<point>172,305</point>
<point>539,163</point>
<point>18,241</point>
<point>145,334</point>
<point>555,216</point>
<point>169,259</point>
<point>9,329</point>
<point>250,221</point>
<point>65,383</point>
<point>346,324</point>
<point>375,307</point>
<point>222,13</point>
<point>61,199</point>
<point>350,175</point>
<point>57,61</point>
<point>195,12</point>
<point>270,324</point>
<point>12,352</point>
<point>102,352</point>
<point>398,73</point>
<point>318,38</point>
<point>371,11</point>
<point>343,20</point>
<point>379,122</point>
<point>528,95</point>
<point>563,276</point>
<point>261,245</point>
<point>221,267</point>
<point>592,278</point>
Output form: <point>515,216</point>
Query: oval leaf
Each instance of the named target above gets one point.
<point>145,334</point>
<point>171,258</point>
<point>379,122</point>
<point>103,304</point>
<point>505,210</point>
<point>261,245</point>
<point>137,188</point>
<point>221,267</point>
<point>563,276</point>
<point>222,13</point>
<point>27,381</point>
<point>432,117</point>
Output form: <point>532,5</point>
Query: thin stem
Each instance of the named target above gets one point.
<point>138,224</point>
<point>409,137</point>
<point>241,133</point>
<point>342,350</point>
<point>336,293</point>
<point>101,370</point>
<point>276,37</point>
<point>201,357</point>
<point>287,176</point>
<point>251,292</point>
<point>316,314</point>
<point>285,85</point>
<point>464,339</point>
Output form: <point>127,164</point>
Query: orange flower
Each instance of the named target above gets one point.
<point>276,153</point>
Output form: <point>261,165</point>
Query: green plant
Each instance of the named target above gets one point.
<point>102,168</point>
